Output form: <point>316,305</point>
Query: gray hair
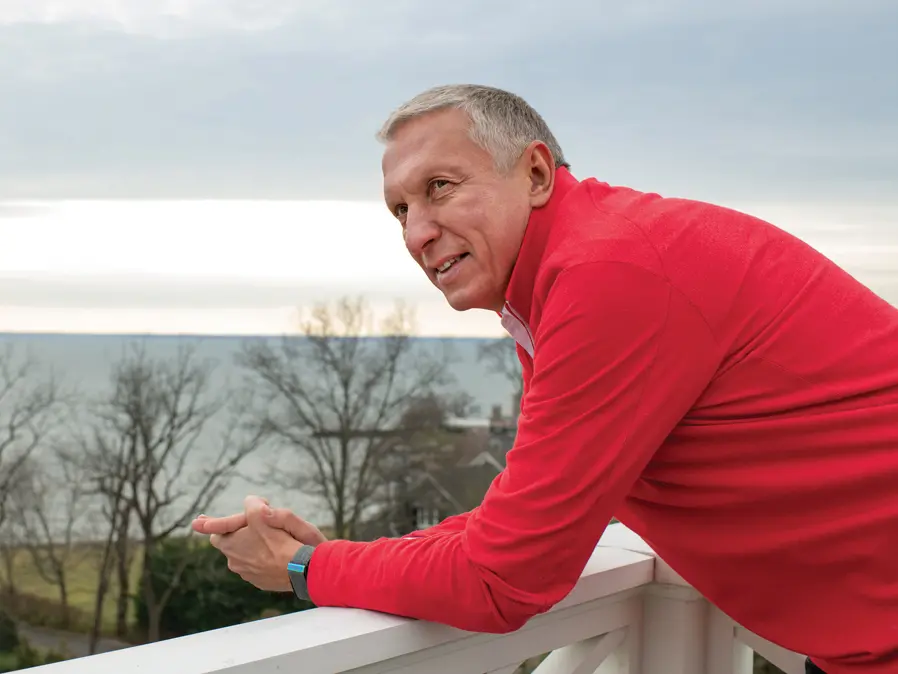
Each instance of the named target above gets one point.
<point>502,123</point>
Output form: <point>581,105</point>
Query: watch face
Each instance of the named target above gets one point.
<point>297,582</point>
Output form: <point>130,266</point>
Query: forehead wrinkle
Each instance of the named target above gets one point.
<point>395,183</point>
<point>419,151</point>
<point>407,177</point>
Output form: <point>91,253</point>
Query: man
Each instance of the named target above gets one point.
<point>724,390</point>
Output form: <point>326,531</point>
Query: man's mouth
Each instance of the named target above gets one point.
<point>447,265</point>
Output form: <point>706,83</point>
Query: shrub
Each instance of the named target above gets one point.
<point>25,656</point>
<point>208,595</point>
<point>8,663</point>
<point>9,633</point>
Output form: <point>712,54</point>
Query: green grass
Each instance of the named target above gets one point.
<point>25,657</point>
<point>41,599</point>
<point>8,662</point>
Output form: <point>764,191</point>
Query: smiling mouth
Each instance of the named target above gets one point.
<point>447,265</point>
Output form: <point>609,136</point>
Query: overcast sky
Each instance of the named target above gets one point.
<point>221,98</point>
<point>785,107</point>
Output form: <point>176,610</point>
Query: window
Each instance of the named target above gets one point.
<point>426,517</point>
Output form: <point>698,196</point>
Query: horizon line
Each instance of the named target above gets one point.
<point>261,335</point>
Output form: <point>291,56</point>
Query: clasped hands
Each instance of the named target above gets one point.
<point>259,542</point>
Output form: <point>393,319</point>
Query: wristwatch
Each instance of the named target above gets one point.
<point>298,570</point>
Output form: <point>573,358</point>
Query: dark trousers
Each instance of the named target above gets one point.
<point>811,668</point>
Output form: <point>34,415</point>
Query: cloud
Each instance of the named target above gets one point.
<point>785,108</point>
<point>768,99</point>
<point>245,268</point>
<point>161,18</point>
<point>183,18</point>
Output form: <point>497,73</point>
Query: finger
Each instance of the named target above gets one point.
<point>221,525</point>
<point>254,502</point>
<point>294,525</point>
<point>215,541</point>
<point>256,509</point>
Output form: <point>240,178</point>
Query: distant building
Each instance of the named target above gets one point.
<point>458,477</point>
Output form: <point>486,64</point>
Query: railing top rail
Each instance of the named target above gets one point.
<point>332,640</point>
<point>618,536</point>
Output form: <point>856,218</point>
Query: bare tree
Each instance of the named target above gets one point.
<point>31,405</point>
<point>12,543</point>
<point>501,358</point>
<point>48,505</point>
<point>335,397</point>
<point>166,442</point>
<point>107,460</point>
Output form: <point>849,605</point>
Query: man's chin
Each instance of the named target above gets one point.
<point>459,306</point>
<point>461,301</point>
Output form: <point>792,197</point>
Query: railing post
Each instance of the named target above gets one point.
<point>684,634</point>
<point>674,632</point>
<point>726,653</point>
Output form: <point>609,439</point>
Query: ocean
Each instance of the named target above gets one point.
<point>84,363</point>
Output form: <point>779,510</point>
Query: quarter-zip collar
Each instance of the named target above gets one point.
<point>519,294</point>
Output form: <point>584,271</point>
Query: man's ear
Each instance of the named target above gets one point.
<point>540,168</point>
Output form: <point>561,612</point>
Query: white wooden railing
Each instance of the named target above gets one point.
<point>630,612</point>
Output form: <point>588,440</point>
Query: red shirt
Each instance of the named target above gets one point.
<point>723,389</point>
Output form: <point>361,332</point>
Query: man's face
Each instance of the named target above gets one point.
<point>462,220</point>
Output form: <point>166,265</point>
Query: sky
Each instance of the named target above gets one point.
<point>210,165</point>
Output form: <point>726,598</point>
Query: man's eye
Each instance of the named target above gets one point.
<point>438,184</point>
<point>400,210</point>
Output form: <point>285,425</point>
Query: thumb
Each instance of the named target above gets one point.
<point>253,502</point>
<point>297,527</point>
<point>255,509</point>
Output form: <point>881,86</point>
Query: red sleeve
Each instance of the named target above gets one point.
<point>620,357</point>
<point>448,525</point>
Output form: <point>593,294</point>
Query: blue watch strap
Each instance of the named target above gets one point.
<point>297,570</point>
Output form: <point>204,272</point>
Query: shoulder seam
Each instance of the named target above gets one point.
<point>663,277</point>
<point>660,259</point>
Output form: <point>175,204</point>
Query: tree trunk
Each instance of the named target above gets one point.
<point>154,609</point>
<point>121,603</point>
<point>64,601</point>
<point>9,564</point>
<point>154,622</point>
<point>123,562</point>
<point>340,522</point>
<point>102,589</point>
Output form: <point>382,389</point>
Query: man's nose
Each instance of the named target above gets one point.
<point>420,231</point>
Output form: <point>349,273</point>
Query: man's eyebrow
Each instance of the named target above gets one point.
<point>390,194</point>
<point>394,187</point>
<point>418,177</point>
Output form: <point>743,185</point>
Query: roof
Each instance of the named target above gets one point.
<point>457,489</point>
